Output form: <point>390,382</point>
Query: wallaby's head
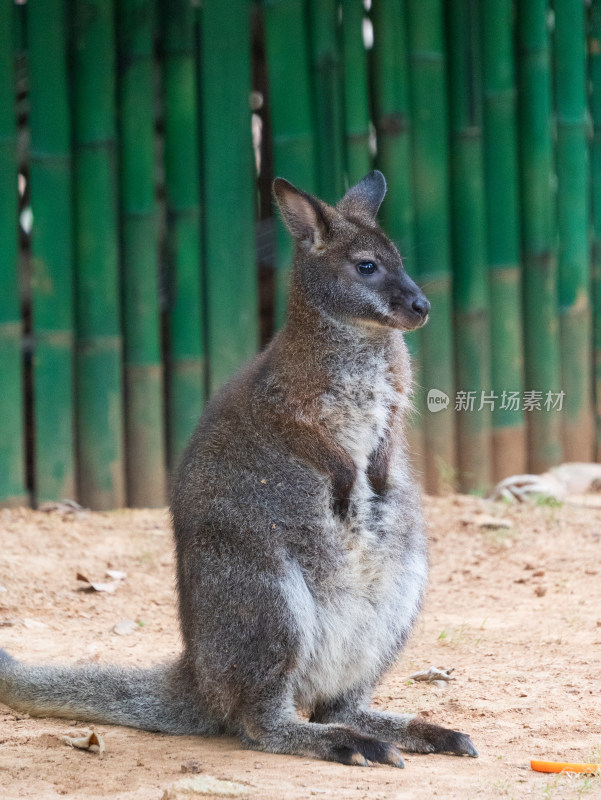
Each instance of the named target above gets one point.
<point>344,264</point>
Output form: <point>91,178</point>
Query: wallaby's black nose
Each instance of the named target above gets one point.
<point>421,305</point>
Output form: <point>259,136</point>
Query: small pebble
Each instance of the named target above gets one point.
<point>125,626</point>
<point>192,766</point>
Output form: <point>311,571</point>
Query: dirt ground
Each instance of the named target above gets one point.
<point>516,612</point>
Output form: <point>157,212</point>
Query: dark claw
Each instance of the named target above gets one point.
<point>465,746</point>
<point>380,752</point>
<point>456,743</point>
<point>342,507</point>
<point>350,756</point>
<point>367,750</point>
<point>436,739</point>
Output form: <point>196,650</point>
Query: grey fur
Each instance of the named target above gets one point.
<point>301,555</point>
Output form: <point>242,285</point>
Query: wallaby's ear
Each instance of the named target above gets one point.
<point>364,199</point>
<point>304,215</point>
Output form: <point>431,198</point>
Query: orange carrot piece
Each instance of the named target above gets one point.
<point>562,766</point>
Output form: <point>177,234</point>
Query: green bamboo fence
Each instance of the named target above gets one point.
<point>594,71</point>
<point>135,295</point>
<point>99,396</point>
<point>470,287</point>
<point>328,99</point>
<point>142,367</point>
<point>572,224</point>
<point>51,244</point>
<point>390,98</point>
<point>541,342</point>
<point>503,236</point>
<point>389,82</point>
<point>431,232</point>
<point>228,187</point>
<point>355,91</point>
<point>186,388</point>
<point>287,44</point>
<point>12,441</point>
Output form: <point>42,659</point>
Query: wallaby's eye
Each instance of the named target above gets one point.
<point>366,268</point>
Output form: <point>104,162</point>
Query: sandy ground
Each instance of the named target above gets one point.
<point>516,612</point>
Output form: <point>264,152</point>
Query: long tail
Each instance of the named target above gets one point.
<point>162,698</point>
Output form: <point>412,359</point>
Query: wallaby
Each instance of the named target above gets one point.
<point>301,553</point>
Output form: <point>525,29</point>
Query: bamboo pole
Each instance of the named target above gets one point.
<point>143,375</point>
<point>539,291</point>
<point>18,25</point>
<point>98,356</point>
<point>594,67</point>
<point>356,105</point>
<point>51,245</point>
<point>572,225</point>
<point>327,93</point>
<point>286,36</point>
<point>431,231</point>
<point>12,440</point>
<point>502,226</point>
<point>470,286</point>
<point>186,357</point>
<point>229,195</point>
<point>390,99</point>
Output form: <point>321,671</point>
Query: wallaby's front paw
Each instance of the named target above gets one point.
<point>363,750</point>
<point>424,737</point>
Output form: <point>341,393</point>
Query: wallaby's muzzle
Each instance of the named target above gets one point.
<point>409,304</point>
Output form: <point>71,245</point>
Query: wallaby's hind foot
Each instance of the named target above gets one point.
<point>410,733</point>
<point>330,742</point>
<point>425,737</point>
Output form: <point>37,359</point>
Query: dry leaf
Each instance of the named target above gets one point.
<point>116,574</point>
<point>92,741</point>
<point>102,587</point>
<point>433,674</point>
<point>97,586</point>
<point>487,521</point>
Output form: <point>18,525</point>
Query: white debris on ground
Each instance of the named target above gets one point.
<point>569,482</point>
<point>91,740</point>
<point>436,675</point>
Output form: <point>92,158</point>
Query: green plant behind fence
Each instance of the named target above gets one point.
<point>129,291</point>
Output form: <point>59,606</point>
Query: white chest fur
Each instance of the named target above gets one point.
<point>358,410</point>
<point>351,626</point>
<point>347,637</point>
